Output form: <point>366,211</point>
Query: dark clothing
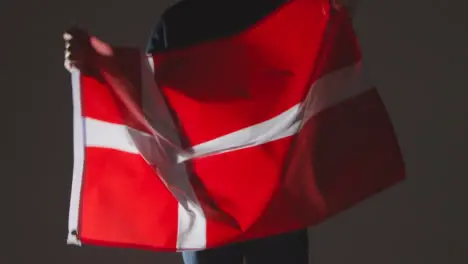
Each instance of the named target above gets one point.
<point>286,248</point>
<point>194,21</point>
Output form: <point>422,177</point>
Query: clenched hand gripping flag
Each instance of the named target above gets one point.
<point>262,132</point>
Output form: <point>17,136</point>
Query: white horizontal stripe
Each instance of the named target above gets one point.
<point>335,88</point>
<point>285,124</point>
<point>113,136</point>
<point>324,93</point>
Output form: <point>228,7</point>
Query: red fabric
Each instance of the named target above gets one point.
<point>342,155</point>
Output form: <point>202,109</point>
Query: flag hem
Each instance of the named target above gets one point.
<point>78,160</point>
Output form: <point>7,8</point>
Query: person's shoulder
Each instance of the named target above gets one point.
<point>188,22</point>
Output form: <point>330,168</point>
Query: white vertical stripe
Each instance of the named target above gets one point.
<point>78,163</point>
<point>191,218</point>
<point>191,231</point>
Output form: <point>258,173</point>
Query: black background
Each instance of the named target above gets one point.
<point>415,51</point>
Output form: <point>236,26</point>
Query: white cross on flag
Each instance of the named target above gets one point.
<point>267,131</point>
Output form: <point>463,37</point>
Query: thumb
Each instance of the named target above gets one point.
<point>101,47</point>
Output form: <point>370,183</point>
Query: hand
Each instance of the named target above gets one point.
<point>77,48</point>
<point>81,48</point>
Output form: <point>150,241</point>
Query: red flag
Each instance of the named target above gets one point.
<point>270,130</point>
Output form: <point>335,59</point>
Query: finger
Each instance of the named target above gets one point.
<point>74,55</point>
<point>76,35</point>
<point>67,36</point>
<point>101,47</point>
<point>75,43</point>
<point>75,48</point>
<point>68,65</point>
